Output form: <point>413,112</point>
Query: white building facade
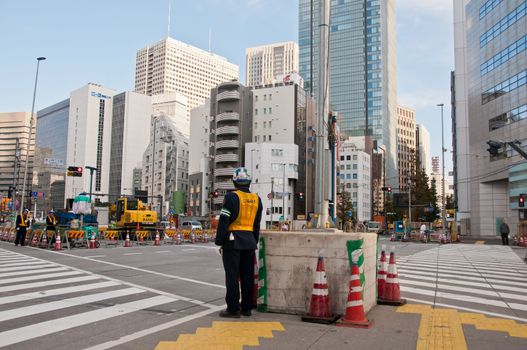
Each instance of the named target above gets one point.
<point>171,65</point>
<point>422,143</point>
<point>274,169</point>
<point>89,138</point>
<point>173,105</point>
<point>264,63</point>
<point>406,145</point>
<point>354,177</point>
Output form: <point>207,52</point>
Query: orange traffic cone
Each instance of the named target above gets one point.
<point>127,242</point>
<point>44,242</point>
<point>354,308</point>
<point>157,241</point>
<point>192,237</point>
<point>205,238</point>
<point>319,309</point>
<point>392,292</point>
<point>255,290</point>
<point>34,241</point>
<point>92,242</point>
<point>58,242</point>
<point>392,238</point>
<point>177,238</point>
<point>381,275</point>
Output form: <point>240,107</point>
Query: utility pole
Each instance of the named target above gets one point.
<point>409,205</point>
<point>321,203</point>
<point>92,169</point>
<point>272,198</point>
<point>443,172</point>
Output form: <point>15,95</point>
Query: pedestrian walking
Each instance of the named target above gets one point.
<point>504,230</point>
<point>237,235</point>
<point>22,222</point>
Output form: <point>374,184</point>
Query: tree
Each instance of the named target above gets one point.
<point>344,205</point>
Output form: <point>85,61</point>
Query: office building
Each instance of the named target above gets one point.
<point>406,146</point>
<point>422,144</point>
<point>173,105</point>
<point>490,103</point>
<point>362,69</point>
<point>171,65</point>
<point>130,137</point>
<point>264,63</point>
<point>355,178</point>
<point>89,140</point>
<point>14,137</point>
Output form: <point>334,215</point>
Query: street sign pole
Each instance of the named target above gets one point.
<point>92,169</point>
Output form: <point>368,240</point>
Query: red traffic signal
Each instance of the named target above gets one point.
<point>300,195</point>
<point>75,171</point>
<point>215,194</point>
<point>521,200</point>
<point>386,189</point>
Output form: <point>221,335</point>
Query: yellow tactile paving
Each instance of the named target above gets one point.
<point>223,336</point>
<point>442,328</point>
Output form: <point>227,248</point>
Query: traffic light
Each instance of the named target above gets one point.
<point>215,194</point>
<point>521,200</point>
<point>387,189</point>
<point>495,147</point>
<point>75,171</point>
<point>300,195</point>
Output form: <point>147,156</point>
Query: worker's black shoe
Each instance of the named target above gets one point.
<point>228,314</point>
<point>246,313</point>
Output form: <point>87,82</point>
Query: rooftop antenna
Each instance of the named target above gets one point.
<point>169,8</point>
<point>210,39</point>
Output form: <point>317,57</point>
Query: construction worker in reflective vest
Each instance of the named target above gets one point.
<point>237,235</point>
<point>51,222</point>
<point>22,223</point>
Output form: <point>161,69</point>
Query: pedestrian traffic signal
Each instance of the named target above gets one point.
<point>521,200</point>
<point>495,147</point>
<point>75,171</point>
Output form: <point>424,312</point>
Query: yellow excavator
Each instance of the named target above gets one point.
<point>131,212</point>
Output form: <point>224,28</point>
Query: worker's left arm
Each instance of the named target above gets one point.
<point>256,226</point>
<point>227,215</point>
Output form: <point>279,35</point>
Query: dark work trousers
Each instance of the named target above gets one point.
<point>20,236</point>
<point>239,263</point>
<point>505,239</point>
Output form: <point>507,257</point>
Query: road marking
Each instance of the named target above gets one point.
<point>123,254</point>
<point>17,259</point>
<point>41,266</point>
<point>463,272</point>
<point>21,334</point>
<point>47,283</point>
<point>31,272</point>
<point>163,251</point>
<point>442,328</point>
<point>139,269</point>
<point>96,256</point>
<point>481,266</point>
<point>62,304</point>
<point>46,275</point>
<point>28,263</point>
<point>56,292</point>
<point>226,335</point>
<point>187,250</point>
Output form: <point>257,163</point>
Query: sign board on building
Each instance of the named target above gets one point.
<point>300,217</point>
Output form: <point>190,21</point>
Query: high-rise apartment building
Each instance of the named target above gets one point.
<point>406,146</point>
<point>264,63</point>
<point>422,144</point>
<point>173,105</point>
<point>89,139</point>
<point>362,68</point>
<point>14,137</point>
<point>171,65</point>
<point>490,103</point>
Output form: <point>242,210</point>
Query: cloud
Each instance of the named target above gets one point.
<point>435,7</point>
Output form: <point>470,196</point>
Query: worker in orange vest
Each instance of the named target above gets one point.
<point>22,223</point>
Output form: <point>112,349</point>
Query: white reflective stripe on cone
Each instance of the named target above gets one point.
<point>320,277</point>
<point>320,292</point>
<point>392,280</point>
<point>381,277</point>
<point>356,289</point>
<point>354,303</point>
<point>354,277</point>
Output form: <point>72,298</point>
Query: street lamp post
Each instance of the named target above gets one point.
<point>29,136</point>
<point>91,169</point>
<point>384,186</point>
<point>443,172</point>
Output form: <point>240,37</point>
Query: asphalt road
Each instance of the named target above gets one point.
<point>134,298</point>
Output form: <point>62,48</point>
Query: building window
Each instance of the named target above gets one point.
<point>256,98</point>
<point>256,111</point>
<point>355,176</point>
<point>270,97</point>
<point>277,152</point>
<point>269,137</point>
<point>503,56</point>
<point>508,85</point>
<point>270,110</point>
<point>255,125</point>
<point>264,138</point>
<point>510,117</point>
<point>265,110</point>
<point>503,24</point>
<point>348,157</point>
<point>265,125</point>
<point>270,123</point>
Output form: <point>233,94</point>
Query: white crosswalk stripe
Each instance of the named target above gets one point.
<point>475,276</point>
<point>38,298</point>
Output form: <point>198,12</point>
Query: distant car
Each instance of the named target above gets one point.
<point>374,226</point>
<point>191,225</point>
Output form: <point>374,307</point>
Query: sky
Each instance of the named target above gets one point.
<point>96,41</point>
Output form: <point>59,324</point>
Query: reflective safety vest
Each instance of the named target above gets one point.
<point>22,221</point>
<point>247,212</point>
<point>52,220</point>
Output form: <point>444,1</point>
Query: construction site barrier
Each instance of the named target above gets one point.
<point>142,237</point>
<point>111,237</point>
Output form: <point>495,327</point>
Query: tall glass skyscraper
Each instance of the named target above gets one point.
<point>362,68</point>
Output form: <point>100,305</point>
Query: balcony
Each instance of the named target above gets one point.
<point>218,200</point>
<point>225,185</point>
<point>224,172</point>
<point>227,144</point>
<point>230,157</point>
<point>228,96</point>
<point>227,116</point>
<point>228,130</point>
